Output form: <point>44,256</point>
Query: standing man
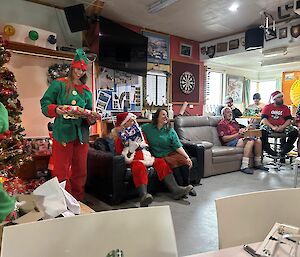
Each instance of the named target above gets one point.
<point>236,113</point>
<point>276,117</point>
<point>257,106</point>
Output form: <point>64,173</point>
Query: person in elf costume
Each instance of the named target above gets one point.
<point>7,203</point>
<point>131,143</point>
<point>70,133</point>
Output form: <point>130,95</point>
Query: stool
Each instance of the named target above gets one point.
<point>295,169</point>
<point>277,158</point>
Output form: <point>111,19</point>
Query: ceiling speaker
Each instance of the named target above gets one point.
<point>76,17</point>
<point>254,39</point>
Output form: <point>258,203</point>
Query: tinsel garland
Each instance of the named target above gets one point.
<point>56,71</point>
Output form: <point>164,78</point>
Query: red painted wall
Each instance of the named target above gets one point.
<point>175,56</point>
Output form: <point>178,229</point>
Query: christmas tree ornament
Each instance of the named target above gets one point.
<point>52,39</point>
<point>33,35</point>
<point>9,30</point>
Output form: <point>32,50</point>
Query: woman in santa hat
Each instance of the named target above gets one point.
<point>70,133</point>
<point>131,143</point>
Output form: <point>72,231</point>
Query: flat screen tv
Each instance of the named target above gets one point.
<point>121,48</point>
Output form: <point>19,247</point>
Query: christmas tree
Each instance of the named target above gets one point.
<point>14,149</point>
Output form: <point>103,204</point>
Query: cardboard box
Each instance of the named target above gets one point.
<point>137,232</point>
<point>30,211</point>
<point>253,133</point>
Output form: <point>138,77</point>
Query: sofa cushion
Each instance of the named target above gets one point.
<point>226,150</point>
<point>226,159</point>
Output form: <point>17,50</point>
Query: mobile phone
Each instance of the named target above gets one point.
<point>251,251</point>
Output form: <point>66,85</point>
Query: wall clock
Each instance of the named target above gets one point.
<point>187,82</point>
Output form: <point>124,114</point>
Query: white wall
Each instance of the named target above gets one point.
<point>39,16</point>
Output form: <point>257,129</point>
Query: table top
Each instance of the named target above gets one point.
<point>237,251</point>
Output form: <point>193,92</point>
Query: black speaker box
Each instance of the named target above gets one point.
<point>76,17</point>
<point>254,39</point>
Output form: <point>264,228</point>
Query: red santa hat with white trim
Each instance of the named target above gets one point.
<point>123,117</point>
<point>274,95</point>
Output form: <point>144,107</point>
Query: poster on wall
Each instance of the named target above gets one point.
<point>123,95</point>
<point>234,88</point>
<point>158,48</point>
<point>185,82</point>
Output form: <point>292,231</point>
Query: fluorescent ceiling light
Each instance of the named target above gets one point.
<point>233,7</point>
<point>281,61</point>
<point>275,52</point>
<point>159,5</point>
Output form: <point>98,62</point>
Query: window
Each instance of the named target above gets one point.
<point>156,89</point>
<point>213,90</point>
<point>265,88</point>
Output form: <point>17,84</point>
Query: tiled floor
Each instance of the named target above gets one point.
<point>195,219</point>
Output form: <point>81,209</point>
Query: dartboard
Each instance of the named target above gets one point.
<point>187,82</point>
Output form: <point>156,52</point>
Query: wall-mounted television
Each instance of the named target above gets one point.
<point>121,48</point>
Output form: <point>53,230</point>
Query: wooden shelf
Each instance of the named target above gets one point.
<point>32,49</point>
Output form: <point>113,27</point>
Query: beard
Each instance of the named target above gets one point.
<point>279,102</point>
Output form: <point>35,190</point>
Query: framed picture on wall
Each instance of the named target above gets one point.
<point>186,50</point>
<point>282,33</point>
<point>158,47</point>
<point>234,88</point>
<point>222,47</point>
<point>234,44</point>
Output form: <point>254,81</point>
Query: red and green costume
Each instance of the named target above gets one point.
<point>71,135</point>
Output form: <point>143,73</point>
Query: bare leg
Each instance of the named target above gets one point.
<point>258,156</point>
<point>258,148</point>
<point>248,149</point>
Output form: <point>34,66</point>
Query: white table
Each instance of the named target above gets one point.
<point>237,251</point>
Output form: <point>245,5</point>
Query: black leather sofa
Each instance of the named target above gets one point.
<point>110,179</point>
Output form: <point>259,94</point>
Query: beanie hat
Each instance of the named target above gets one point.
<point>256,96</point>
<point>123,117</point>
<point>274,95</point>
<point>3,119</point>
<point>228,99</point>
<point>80,60</point>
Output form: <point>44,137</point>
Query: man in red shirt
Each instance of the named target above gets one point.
<point>276,117</point>
<point>232,135</point>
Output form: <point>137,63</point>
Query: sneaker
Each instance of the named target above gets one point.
<point>262,167</point>
<point>247,171</point>
<point>193,192</point>
<point>146,200</point>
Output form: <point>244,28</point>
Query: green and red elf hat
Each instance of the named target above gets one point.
<point>80,60</point>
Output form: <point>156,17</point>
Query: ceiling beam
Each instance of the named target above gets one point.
<point>95,8</point>
<point>46,4</point>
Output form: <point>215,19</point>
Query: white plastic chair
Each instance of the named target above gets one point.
<point>247,218</point>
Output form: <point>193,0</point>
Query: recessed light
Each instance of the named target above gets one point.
<point>233,7</point>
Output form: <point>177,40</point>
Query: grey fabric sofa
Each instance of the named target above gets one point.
<point>202,130</point>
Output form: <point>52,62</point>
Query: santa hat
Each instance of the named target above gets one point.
<point>274,95</point>
<point>80,60</point>
<point>123,117</point>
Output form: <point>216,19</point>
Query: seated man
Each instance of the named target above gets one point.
<point>276,117</point>
<point>232,135</point>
